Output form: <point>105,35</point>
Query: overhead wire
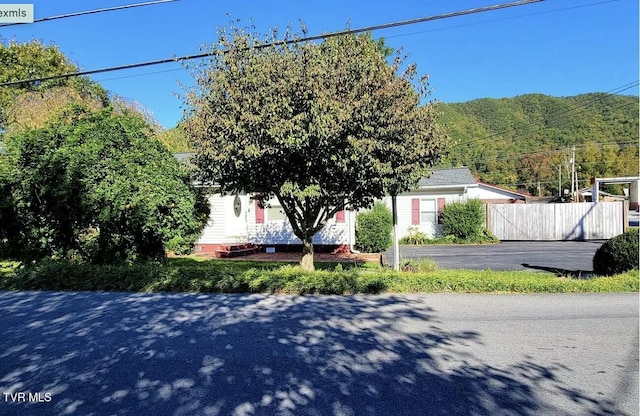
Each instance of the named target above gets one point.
<point>586,101</point>
<point>581,107</point>
<point>502,19</point>
<point>283,42</point>
<point>107,9</point>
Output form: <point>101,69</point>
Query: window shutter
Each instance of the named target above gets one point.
<point>340,216</point>
<point>415,211</point>
<point>259,214</point>
<point>441,202</point>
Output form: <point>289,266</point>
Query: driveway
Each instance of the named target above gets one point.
<point>571,256</point>
<point>193,354</point>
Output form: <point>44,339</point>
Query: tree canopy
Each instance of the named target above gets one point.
<point>525,141</point>
<point>318,125</point>
<point>94,185</point>
<point>33,60</point>
<point>82,174</point>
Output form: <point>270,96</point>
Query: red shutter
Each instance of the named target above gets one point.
<point>259,214</point>
<point>340,216</point>
<point>415,211</point>
<point>441,202</point>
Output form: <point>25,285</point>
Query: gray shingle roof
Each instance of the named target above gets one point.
<point>448,177</point>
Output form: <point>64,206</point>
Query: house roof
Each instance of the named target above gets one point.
<point>517,195</point>
<point>448,177</point>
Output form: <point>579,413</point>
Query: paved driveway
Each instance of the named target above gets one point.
<point>574,256</point>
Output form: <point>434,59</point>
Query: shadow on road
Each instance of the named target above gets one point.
<point>140,354</point>
<point>578,274</point>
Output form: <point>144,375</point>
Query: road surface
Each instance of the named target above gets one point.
<point>192,354</point>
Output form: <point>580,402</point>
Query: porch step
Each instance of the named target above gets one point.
<point>235,250</point>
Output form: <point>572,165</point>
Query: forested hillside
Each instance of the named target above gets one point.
<point>525,142</point>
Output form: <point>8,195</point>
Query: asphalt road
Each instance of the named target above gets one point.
<point>191,354</point>
<point>571,256</point>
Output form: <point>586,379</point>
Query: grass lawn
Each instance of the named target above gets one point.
<point>237,276</point>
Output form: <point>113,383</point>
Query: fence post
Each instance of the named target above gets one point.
<point>625,216</point>
<point>487,217</point>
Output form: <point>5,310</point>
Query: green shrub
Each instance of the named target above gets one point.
<point>463,220</point>
<point>414,237</point>
<point>617,255</point>
<point>95,186</point>
<point>373,229</point>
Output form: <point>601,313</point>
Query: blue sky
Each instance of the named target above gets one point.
<point>556,47</point>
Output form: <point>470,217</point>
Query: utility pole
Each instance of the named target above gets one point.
<point>560,181</point>
<point>574,187</point>
<point>396,244</point>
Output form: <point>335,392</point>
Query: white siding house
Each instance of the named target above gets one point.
<point>420,208</point>
<point>237,221</point>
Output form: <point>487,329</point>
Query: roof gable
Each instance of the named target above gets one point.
<point>502,191</point>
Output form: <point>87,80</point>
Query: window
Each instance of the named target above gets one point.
<point>428,211</point>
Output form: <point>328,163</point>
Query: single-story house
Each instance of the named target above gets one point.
<point>419,209</point>
<point>236,222</point>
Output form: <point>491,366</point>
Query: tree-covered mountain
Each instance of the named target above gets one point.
<point>525,142</point>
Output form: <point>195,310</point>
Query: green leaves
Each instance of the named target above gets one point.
<point>317,125</point>
<point>463,220</point>
<point>523,141</point>
<point>95,186</point>
<point>32,60</point>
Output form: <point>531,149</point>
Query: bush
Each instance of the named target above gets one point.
<point>463,220</point>
<point>373,229</point>
<point>617,255</point>
<point>414,237</point>
<point>95,186</point>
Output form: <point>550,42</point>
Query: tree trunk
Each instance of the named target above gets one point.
<point>307,254</point>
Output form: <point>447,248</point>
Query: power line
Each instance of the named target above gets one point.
<point>503,19</point>
<point>504,155</point>
<point>108,9</point>
<point>284,42</point>
<point>585,102</point>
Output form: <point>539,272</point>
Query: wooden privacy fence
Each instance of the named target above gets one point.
<point>579,221</point>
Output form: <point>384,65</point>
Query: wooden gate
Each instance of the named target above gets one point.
<point>579,221</point>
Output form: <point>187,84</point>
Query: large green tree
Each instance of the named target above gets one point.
<point>321,126</point>
<point>95,185</point>
<point>33,59</point>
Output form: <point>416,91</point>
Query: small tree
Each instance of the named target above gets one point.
<point>319,126</point>
<point>373,229</point>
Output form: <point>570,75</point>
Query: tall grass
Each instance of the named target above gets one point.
<point>187,275</point>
